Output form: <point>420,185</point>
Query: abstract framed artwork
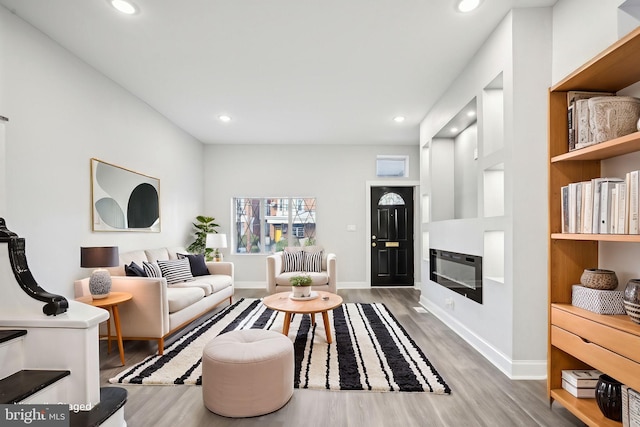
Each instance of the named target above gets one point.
<point>123,200</point>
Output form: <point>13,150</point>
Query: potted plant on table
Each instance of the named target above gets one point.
<point>301,285</point>
<point>204,226</point>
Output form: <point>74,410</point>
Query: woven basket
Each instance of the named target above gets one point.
<point>597,301</point>
<point>596,278</point>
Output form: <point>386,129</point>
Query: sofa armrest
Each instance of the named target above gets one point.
<point>275,266</point>
<point>146,315</point>
<point>222,268</point>
<point>332,273</point>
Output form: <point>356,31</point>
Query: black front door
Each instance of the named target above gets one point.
<point>392,236</point>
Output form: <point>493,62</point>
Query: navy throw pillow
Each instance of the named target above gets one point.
<point>134,270</point>
<point>197,264</point>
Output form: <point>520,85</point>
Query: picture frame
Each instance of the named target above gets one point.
<point>122,199</point>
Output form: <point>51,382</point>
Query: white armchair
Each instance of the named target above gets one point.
<point>278,279</point>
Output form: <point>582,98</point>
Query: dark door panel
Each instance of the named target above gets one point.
<point>392,236</point>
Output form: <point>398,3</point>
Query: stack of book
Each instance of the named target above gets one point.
<point>630,407</point>
<point>581,383</point>
<point>602,205</point>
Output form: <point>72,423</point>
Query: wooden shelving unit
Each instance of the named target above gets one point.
<point>578,338</point>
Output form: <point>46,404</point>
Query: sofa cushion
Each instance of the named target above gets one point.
<point>175,270</point>
<point>175,250</point>
<point>197,264</point>
<point>158,254</point>
<point>135,270</point>
<point>133,256</point>
<point>316,278</point>
<point>151,269</point>
<point>196,283</point>
<point>180,298</point>
<point>216,281</point>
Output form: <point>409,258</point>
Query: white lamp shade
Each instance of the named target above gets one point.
<point>216,241</point>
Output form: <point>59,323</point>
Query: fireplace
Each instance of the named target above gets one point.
<point>462,273</point>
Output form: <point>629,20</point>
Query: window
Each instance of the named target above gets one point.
<point>267,225</point>
<point>391,199</point>
<point>392,166</point>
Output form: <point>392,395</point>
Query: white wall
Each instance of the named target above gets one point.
<point>335,175</point>
<point>526,183</point>
<point>62,112</point>
<point>581,29</point>
<point>510,327</point>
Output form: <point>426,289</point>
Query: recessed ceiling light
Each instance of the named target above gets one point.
<point>224,118</point>
<point>398,119</point>
<point>467,5</point>
<point>471,113</point>
<point>124,6</point>
<point>454,130</point>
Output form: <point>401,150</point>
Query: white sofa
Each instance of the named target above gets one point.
<point>157,310</point>
<point>278,279</point>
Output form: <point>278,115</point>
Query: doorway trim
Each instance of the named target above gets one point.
<point>416,227</point>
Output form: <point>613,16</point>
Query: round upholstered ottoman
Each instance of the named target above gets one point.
<point>247,373</point>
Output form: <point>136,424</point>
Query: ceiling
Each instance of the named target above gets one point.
<point>285,71</point>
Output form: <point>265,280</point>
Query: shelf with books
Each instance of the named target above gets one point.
<point>633,238</point>
<point>579,339</point>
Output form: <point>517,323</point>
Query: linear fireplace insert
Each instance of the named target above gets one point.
<point>462,273</point>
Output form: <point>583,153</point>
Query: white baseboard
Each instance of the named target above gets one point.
<point>514,369</point>
<point>250,285</point>
<point>263,285</point>
<point>341,285</point>
<point>353,285</point>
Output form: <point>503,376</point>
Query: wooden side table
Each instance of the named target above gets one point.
<point>110,304</point>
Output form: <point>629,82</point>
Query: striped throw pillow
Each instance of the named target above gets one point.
<point>151,269</point>
<point>176,270</point>
<point>293,261</point>
<point>313,262</point>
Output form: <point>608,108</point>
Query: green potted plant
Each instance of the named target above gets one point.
<point>203,226</point>
<point>301,285</point>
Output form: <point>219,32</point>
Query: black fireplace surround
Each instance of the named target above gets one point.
<point>462,273</point>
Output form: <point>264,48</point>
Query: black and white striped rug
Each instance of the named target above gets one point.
<point>370,351</point>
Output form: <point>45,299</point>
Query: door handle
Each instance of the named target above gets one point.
<point>392,244</point>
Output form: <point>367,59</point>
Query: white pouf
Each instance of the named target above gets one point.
<point>247,373</point>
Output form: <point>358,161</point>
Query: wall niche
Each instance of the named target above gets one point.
<point>454,190</point>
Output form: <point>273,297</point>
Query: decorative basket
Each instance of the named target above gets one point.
<point>613,116</point>
<point>598,301</point>
<point>596,278</point>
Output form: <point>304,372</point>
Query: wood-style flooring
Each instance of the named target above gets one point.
<point>481,395</point>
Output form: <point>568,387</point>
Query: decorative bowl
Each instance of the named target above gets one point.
<point>633,311</point>
<point>596,278</point>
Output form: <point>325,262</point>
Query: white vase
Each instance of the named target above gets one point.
<point>301,291</point>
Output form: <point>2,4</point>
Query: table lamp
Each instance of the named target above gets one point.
<point>99,257</point>
<point>216,241</point>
